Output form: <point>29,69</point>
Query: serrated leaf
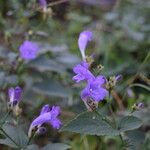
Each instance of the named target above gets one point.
<point>56,146</point>
<point>19,137</point>
<point>136,138</point>
<point>129,123</point>
<point>91,124</point>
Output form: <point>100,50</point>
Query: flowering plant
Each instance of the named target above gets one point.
<point>47,91</point>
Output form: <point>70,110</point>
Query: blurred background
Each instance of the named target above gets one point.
<point>121,44</point>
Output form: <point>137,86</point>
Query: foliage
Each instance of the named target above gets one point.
<point>120,44</point>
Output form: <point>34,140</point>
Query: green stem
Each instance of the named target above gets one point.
<point>121,139</point>
<point>111,110</point>
<point>31,137</point>
<point>85,141</point>
<point>113,116</point>
<point>9,137</point>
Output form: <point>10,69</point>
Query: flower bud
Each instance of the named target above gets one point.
<point>83,40</point>
<point>137,106</point>
<point>111,83</point>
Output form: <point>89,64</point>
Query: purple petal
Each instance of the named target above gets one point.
<point>56,123</point>
<point>45,109</point>
<point>94,89</point>
<point>84,38</point>
<point>44,118</point>
<point>11,94</point>
<point>43,3</point>
<point>100,80</point>
<point>82,72</point>
<point>78,78</point>
<point>85,64</point>
<point>14,95</point>
<point>55,111</point>
<point>99,94</point>
<point>18,92</point>
<point>85,93</point>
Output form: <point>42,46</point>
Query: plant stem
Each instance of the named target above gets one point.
<point>31,137</point>
<point>113,116</point>
<point>111,110</point>
<point>9,137</point>
<point>85,141</point>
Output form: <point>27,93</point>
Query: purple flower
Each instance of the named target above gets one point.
<point>95,89</point>
<point>118,77</point>
<point>43,3</point>
<point>28,50</point>
<point>14,95</point>
<point>84,38</point>
<point>47,115</point>
<point>82,72</point>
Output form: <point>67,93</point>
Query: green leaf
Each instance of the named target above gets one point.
<point>19,137</point>
<point>136,138</point>
<point>50,88</point>
<point>129,123</point>
<point>56,146</point>
<point>90,123</point>
<point>32,147</point>
<point>43,64</point>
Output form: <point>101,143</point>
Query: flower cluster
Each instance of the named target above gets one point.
<point>95,88</point>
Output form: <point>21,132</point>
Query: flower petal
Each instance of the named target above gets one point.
<point>45,109</point>
<point>11,94</point>
<point>84,37</point>
<point>99,94</point>
<point>56,123</point>
<point>18,92</point>
<point>44,118</point>
<point>85,93</point>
